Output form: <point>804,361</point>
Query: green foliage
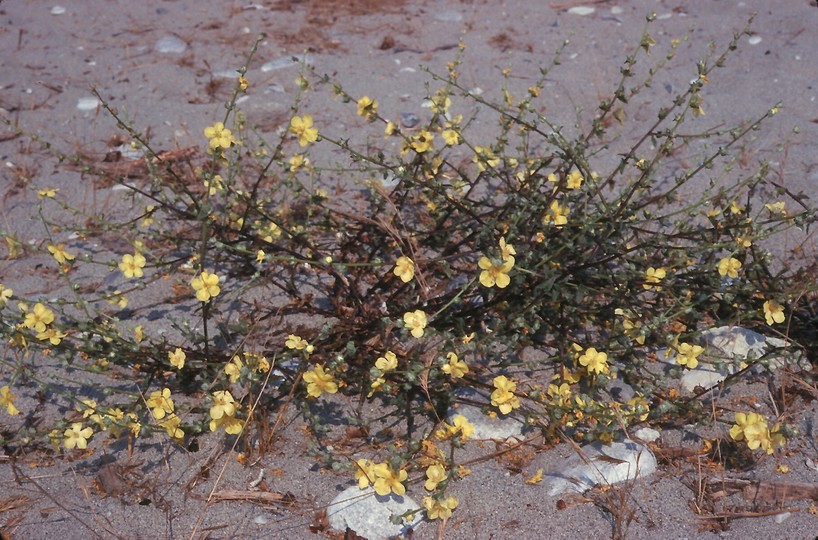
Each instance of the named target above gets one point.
<point>454,258</point>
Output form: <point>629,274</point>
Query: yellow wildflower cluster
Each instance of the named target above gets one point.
<point>382,476</point>
<point>223,413</point>
<point>455,367</point>
<point>460,427</point>
<point>254,362</point>
<point>752,427</point>
<point>38,319</point>
<point>439,508</point>
<point>162,408</point>
<point>497,273</point>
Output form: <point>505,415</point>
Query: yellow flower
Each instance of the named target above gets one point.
<point>439,509</point>
<point>7,401</point>
<point>460,424</point>
<point>561,393</point>
<point>773,312</point>
<point>435,474</point>
<point>652,277</point>
<point>557,214</point>
<point>368,108</point>
<point>484,158</point>
<point>59,253</point>
<point>298,343</point>
<point>53,335</point>
<point>231,425</point>
<point>455,367</point>
<point>161,403</point>
<point>390,129</point>
<point>38,318</point>
<point>138,334</point>
<point>206,286</point>
<point>595,361</point>
<point>688,355</point>
<point>171,426</point>
<point>507,250</point>
<point>220,137</point>
<point>77,436</point>
<point>243,83</point>
<point>752,427</point>
<point>387,362</point>
<point>503,396</point>
<point>298,161</point>
<point>451,137</point>
<point>5,295</point>
<point>495,274</point>
<point>415,321</point>
<point>364,473</point>
<point>632,330</point>
<point>223,405</point>
<point>132,265</point>
<point>574,180</point>
<point>319,382</point>
<point>48,192</point>
<point>388,480</point>
<point>404,269</point>
<point>214,185</point>
<point>779,207</point>
<point>233,369</point>
<point>422,142</point>
<point>729,267</point>
<point>376,386</point>
<point>177,358</point>
<point>302,127</point>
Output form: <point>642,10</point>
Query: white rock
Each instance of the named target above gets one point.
<point>732,345</point>
<point>502,427</point>
<point>603,464</point>
<point>88,103</point>
<point>368,513</point>
<point>581,10</point>
<point>754,40</point>
<point>58,10</point>
<point>170,45</point>
<point>286,61</point>
<point>647,434</point>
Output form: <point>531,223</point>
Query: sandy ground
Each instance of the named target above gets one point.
<point>52,56</point>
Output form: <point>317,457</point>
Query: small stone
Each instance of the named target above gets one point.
<point>503,427</point>
<point>409,120</point>
<point>286,62</point>
<point>581,10</point>
<point>601,464</point>
<point>88,103</point>
<point>367,513</point>
<point>57,10</point>
<point>647,434</point>
<point>170,45</point>
<point>754,40</point>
